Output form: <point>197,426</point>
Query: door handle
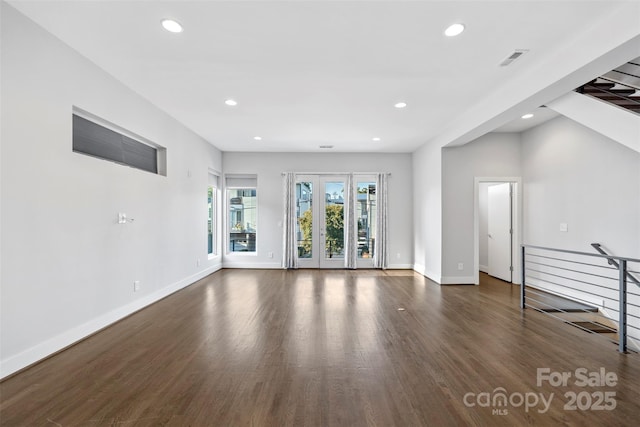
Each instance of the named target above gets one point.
<point>490,236</point>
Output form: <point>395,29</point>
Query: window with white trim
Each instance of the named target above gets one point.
<point>242,213</point>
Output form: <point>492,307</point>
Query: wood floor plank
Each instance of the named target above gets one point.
<point>321,348</point>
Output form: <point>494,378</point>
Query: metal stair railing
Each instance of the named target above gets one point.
<point>592,288</point>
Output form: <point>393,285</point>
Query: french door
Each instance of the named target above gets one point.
<point>321,215</point>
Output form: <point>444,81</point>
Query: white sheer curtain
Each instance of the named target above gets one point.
<point>381,256</point>
<point>290,244</point>
<point>350,228</point>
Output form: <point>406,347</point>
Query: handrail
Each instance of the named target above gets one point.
<point>581,253</point>
<point>620,263</point>
<point>611,261</point>
<point>609,80</point>
<point>615,82</point>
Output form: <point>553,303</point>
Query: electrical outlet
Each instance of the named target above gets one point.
<point>270,254</point>
<point>136,286</point>
<point>460,266</point>
<point>122,218</point>
<point>398,255</point>
<point>198,262</point>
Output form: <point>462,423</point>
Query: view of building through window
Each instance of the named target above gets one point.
<point>334,219</point>
<point>304,213</point>
<point>366,217</point>
<point>243,216</point>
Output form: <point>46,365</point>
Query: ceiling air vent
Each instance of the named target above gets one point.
<point>326,146</point>
<point>514,55</point>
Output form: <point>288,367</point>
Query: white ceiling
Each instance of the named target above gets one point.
<point>308,73</point>
<point>540,115</point>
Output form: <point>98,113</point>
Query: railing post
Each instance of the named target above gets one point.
<point>622,322</point>
<point>522,276</point>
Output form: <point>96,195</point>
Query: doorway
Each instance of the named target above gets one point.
<point>321,216</point>
<point>497,233</point>
<point>499,230</point>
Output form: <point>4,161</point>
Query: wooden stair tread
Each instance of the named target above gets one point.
<point>593,326</point>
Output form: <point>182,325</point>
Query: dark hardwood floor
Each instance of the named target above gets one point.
<point>326,348</point>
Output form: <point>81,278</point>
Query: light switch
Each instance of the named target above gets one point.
<point>564,227</point>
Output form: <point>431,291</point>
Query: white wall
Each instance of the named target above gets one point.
<point>492,155</point>
<point>269,168</point>
<point>618,124</point>
<point>427,211</point>
<point>576,176</point>
<point>67,267</point>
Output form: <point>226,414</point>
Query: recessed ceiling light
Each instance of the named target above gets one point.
<point>231,102</point>
<point>454,30</point>
<point>400,104</point>
<point>171,26</point>
<point>257,138</point>
<point>375,138</point>
<point>527,116</point>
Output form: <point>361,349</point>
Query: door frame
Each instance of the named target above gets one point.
<point>495,266</point>
<point>314,261</point>
<point>516,219</point>
<point>318,259</point>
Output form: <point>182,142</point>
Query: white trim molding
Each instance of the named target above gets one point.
<point>517,225</point>
<point>251,265</point>
<point>419,268</point>
<point>400,267</point>
<point>74,335</point>
<point>458,280</point>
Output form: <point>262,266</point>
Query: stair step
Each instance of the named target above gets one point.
<point>591,89</point>
<point>595,327</point>
<point>608,96</point>
<point>600,85</point>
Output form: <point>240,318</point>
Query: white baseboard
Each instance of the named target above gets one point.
<point>251,265</point>
<point>40,351</point>
<point>419,268</point>
<point>484,268</point>
<point>461,280</point>
<point>400,266</point>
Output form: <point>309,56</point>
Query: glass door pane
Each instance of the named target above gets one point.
<point>308,221</point>
<point>332,227</point>
<point>366,217</point>
<point>304,213</point>
<point>211,208</point>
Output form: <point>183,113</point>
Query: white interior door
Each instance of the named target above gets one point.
<point>500,231</point>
